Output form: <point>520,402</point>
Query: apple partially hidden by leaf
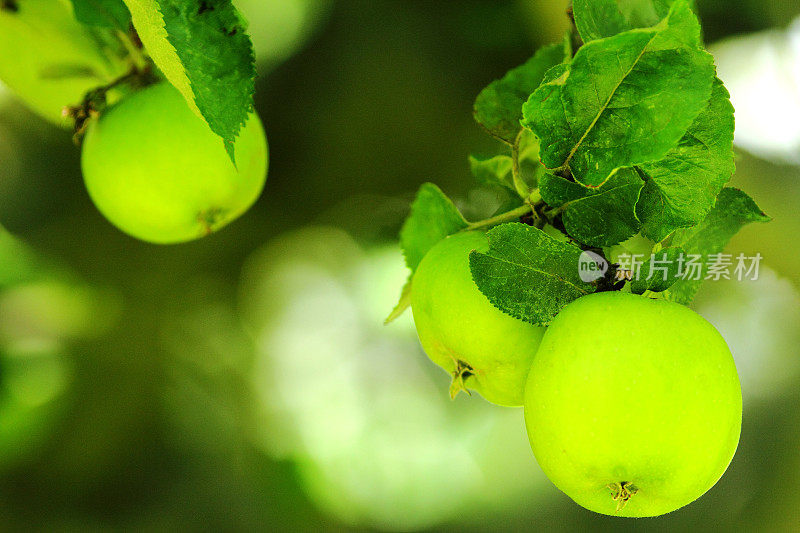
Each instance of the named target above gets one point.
<point>480,346</point>
<point>158,172</point>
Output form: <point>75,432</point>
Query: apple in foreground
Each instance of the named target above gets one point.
<point>481,347</point>
<point>633,406</point>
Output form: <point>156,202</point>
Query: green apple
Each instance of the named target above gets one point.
<point>481,347</point>
<point>158,172</point>
<point>633,406</point>
<point>50,60</point>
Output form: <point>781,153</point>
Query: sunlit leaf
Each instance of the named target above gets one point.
<point>682,187</point>
<point>403,304</point>
<point>624,100</point>
<point>494,170</point>
<point>433,217</point>
<point>596,19</point>
<point>733,211</point>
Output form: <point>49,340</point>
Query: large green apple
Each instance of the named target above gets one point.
<point>481,347</point>
<point>633,406</point>
<point>158,172</point>
<point>50,60</point>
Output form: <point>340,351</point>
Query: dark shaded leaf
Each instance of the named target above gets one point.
<point>498,107</point>
<point>103,13</point>
<point>660,272</point>
<point>601,216</point>
<point>528,274</point>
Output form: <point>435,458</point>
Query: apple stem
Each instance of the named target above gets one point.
<point>516,171</point>
<point>509,216</point>
<point>622,492</point>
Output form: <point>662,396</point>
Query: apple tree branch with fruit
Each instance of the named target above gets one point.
<point>160,95</point>
<point>617,140</point>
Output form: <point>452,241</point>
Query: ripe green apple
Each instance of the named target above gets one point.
<point>481,347</point>
<point>50,60</point>
<point>158,172</point>
<point>633,406</point>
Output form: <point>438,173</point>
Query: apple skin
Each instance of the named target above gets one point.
<point>628,390</point>
<point>158,172</point>
<point>455,322</point>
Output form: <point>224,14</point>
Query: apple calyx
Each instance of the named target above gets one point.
<point>460,375</point>
<point>621,492</point>
<point>210,219</point>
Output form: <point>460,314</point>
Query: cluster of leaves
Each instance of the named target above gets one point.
<point>630,135</point>
<point>200,46</point>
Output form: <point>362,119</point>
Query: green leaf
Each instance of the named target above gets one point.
<point>529,147</point>
<point>624,100</point>
<point>497,170</point>
<point>498,107</point>
<point>528,274</point>
<point>204,51</point>
<point>597,19</point>
<point>508,202</point>
<point>103,13</point>
<point>403,304</point>
<point>660,272</point>
<point>493,170</point>
<point>601,216</point>
<point>681,189</point>
<point>433,217</point>
<point>733,210</point>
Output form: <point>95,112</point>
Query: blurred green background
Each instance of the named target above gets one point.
<point>245,382</point>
